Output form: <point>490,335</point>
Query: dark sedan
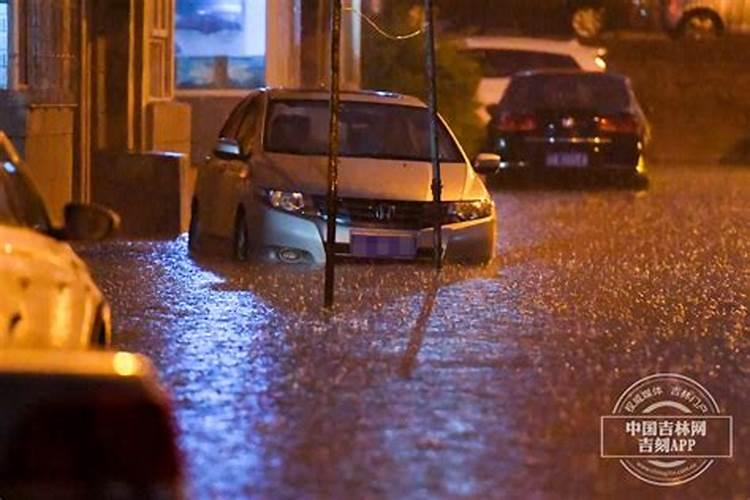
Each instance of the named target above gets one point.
<point>563,123</point>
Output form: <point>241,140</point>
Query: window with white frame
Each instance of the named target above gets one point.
<point>220,44</point>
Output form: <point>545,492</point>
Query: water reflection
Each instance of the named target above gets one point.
<point>270,391</point>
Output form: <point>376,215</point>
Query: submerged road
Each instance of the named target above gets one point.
<point>480,383</point>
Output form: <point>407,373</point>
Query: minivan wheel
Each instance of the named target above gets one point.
<point>701,25</point>
<point>194,229</point>
<point>588,22</point>
<point>241,244</point>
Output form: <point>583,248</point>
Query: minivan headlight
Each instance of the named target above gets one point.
<point>287,201</point>
<point>462,211</point>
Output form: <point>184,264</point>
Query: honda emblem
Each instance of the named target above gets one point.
<point>384,212</point>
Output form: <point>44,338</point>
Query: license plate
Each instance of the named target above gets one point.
<point>383,245</point>
<point>567,160</point>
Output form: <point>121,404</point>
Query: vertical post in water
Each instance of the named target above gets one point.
<point>437,183</point>
<point>333,153</point>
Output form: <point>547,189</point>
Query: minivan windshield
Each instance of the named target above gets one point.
<point>367,130</point>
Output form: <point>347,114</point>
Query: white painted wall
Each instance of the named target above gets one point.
<point>283,38</point>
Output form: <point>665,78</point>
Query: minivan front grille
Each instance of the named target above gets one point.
<point>413,215</point>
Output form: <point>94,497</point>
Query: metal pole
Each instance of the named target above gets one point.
<point>437,183</point>
<point>333,152</point>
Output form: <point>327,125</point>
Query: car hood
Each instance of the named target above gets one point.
<point>47,297</point>
<point>367,178</point>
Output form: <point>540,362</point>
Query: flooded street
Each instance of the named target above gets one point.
<point>481,382</point>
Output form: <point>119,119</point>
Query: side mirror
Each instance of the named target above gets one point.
<point>487,163</point>
<point>89,222</point>
<point>229,149</point>
<point>493,110</point>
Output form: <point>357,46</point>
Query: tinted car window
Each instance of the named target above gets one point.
<point>252,116</point>
<point>504,63</point>
<point>598,92</point>
<point>367,130</point>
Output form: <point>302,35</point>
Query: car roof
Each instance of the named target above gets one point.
<point>93,364</point>
<point>569,72</point>
<point>369,96</point>
<point>553,45</point>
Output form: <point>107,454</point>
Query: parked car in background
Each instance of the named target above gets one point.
<point>701,19</point>
<point>557,122</point>
<point>502,57</point>
<point>589,18</point>
<point>81,425</point>
<point>47,296</point>
<point>265,186</point>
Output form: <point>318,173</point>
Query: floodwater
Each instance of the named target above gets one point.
<point>481,382</point>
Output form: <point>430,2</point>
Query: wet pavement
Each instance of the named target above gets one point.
<point>483,382</point>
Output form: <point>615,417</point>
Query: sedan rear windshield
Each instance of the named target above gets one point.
<point>596,92</point>
<point>367,130</point>
<point>505,63</point>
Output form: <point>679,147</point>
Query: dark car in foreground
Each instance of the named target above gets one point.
<point>569,123</point>
<point>84,425</point>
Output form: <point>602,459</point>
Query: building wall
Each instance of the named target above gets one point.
<point>210,108</point>
<point>13,114</point>
<point>148,148</point>
<point>169,127</point>
<point>316,42</point>
<point>44,136</point>
<point>94,80</point>
<point>49,145</point>
<point>283,42</point>
<point>38,104</point>
<point>209,112</point>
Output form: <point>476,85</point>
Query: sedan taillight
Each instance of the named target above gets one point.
<point>517,122</point>
<point>620,124</point>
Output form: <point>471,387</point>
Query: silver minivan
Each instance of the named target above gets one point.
<point>700,19</point>
<point>264,187</point>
